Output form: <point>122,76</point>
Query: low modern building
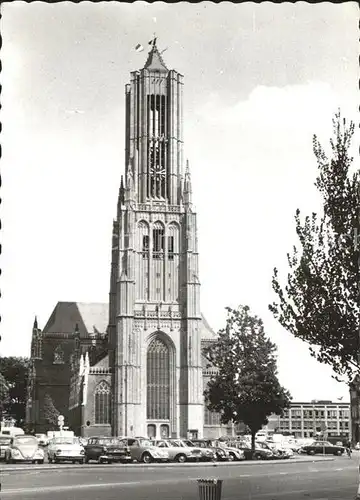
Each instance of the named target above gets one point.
<point>307,419</point>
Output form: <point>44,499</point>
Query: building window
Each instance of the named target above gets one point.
<point>158,243</point>
<point>211,417</point>
<point>102,403</point>
<point>171,247</point>
<point>145,246</point>
<point>59,356</point>
<point>158,380</point>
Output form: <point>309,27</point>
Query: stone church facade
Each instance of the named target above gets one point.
<point>134,367</point>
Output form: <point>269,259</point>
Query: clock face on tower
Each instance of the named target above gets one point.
<point>158,172</point>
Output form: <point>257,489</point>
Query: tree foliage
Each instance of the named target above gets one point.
<point>15,373</point>
<point>245,387</point>
<point>51,413</point>
<point>320,303</point>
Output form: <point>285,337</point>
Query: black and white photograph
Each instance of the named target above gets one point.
<point>180,215</point>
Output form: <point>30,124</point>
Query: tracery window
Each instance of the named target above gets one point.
<point>102,403</point>
<point>211,417</point>
<point>59,356</point>
<point>158,380</point>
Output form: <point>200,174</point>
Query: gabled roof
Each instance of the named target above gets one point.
<point>154,60</point>
<point>90,317</point>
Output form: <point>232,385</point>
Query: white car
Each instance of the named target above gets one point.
<point>177,452</point>
<point>24,449</point>
<point>65,449</point>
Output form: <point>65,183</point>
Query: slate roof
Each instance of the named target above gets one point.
<point>90,317</point>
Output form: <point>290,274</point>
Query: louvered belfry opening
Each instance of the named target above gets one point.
<point>158,380</point>
<point>157,146</point>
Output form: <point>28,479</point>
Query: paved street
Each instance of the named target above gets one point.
<point>319,480</point>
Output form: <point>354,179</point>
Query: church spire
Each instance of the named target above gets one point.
<point>154,60</point>
<point>35,327</point>
<point>187,185</point>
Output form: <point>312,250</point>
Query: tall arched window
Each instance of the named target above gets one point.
<point>102,403</point>
<point>158,380</point>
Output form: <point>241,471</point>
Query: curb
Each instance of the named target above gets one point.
<point>164,465</point>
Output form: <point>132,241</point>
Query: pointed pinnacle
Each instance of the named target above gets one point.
<point>35,323</point>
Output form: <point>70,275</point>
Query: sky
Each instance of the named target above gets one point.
<point>260,80</point>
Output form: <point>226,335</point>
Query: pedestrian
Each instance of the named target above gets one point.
<point>348,448</point>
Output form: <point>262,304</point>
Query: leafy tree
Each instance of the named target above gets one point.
<point>245,388</point>
<point>4,395</point>
<point>51,413</point>
<point>15,372</point>
<point>320,301</point>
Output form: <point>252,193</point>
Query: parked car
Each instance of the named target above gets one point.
<point>65,449</point>
<point>207,454</point>
<point>144,450</point>
<point>4,445</point>
<point>107,449</point>
<point>24,449</point>
<point>323,447</point>
<point>42,439</point>
<point>221,454</point>
<point>178,452</point>
<point>234,453</point>
<point>258,454</point>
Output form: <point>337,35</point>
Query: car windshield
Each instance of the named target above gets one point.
<point>25,440</point>
<point>109,441</point>
<point>65,440</point>
<point>188,443</point>
<point>146,442</point>
<point>5,440</point>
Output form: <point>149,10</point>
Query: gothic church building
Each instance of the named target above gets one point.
<point>134,367</point>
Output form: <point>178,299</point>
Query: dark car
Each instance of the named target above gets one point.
<point>107,449</point>
<point>323,447</point>
<point>4,445</point>
<point>221,454</point>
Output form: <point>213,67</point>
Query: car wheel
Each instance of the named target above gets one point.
<point>81,462</point>
<point>146,458</point>
<point>339,452</point>
<point>181,458</point>
<point>50,460</point>
<point>56,460</point>
<point>231,457</point>
<point>311,452</point>
<point>40,462</point>
<point>100,461</point>
<point>86,460</point>
<point>257,456</point>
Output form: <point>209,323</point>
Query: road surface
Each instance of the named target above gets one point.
<point>319,480</point>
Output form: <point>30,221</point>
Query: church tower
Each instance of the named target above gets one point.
<point>154,311</point>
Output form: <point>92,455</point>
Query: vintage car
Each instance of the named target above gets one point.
<point>178,452</point>
<point>24,449</point>
<point>280,450</point>
<point>259,453</point>
<point>207,454</point>
<point>235,454</point>
<point>323,447</point>
<point>144,450</point>
<point>65,449</point>
<point>221,454</point>
<point>4,445</point>
<point>107,449</point>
